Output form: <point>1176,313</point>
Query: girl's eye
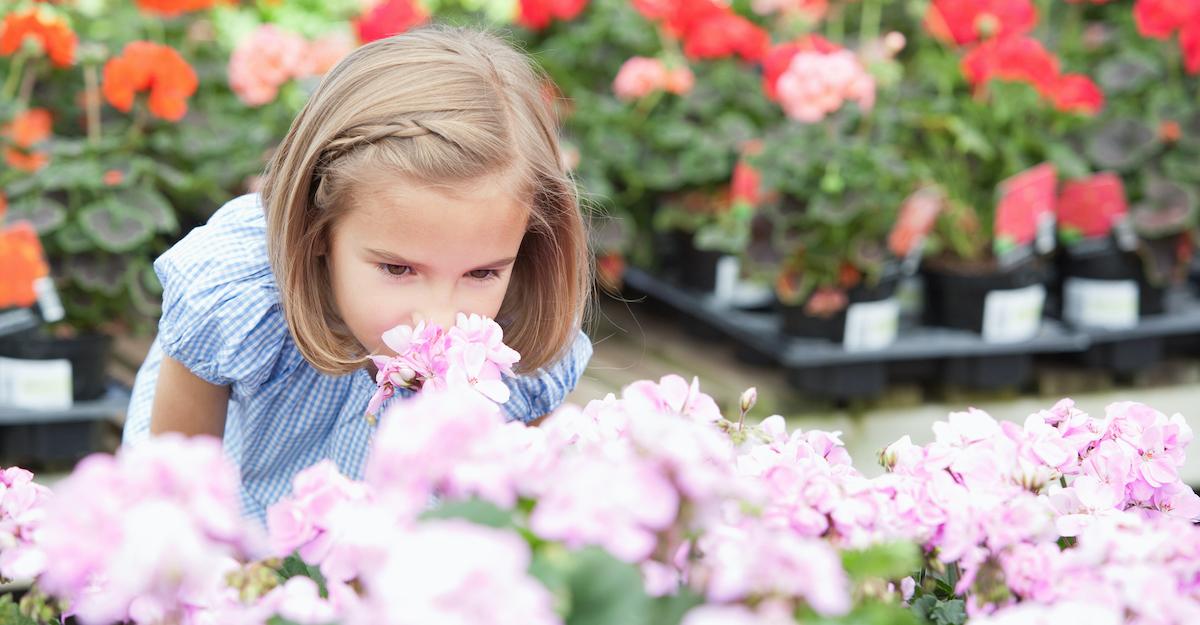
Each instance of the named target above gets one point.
<point>395,270</point>
<point>483,274</point>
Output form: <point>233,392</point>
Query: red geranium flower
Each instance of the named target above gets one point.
<point>45,27</point>
<point>1076,93</point>
<point>148,66</point>
<point>1189,45</point>
<point>724,35</point>
<point>1021,59</point>
<point>537,14</point>
<point>968,21</point>
<point>1160,18</point>
<point>389,18</point>
<point>170,8</point>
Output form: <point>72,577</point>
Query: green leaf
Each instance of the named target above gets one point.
<point>1126,73</point>
<point>1122,144</point>
<point>73,240</point>
<point>45,213</point>
<point>474,510</point>
<point>80,173</point>
<point>888,561</point>
<point>10,613</point>
<point>173,179</point>
<point>97,273</point>
<point>1070,163</point>
<point>151,205</point>
<point>952,612</point>
<point>605,591</point>
<point>968,139</point>
<point>115,228</point>
<point>671,609</point>
<point>279,620</point>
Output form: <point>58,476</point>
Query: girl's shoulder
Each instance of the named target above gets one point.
<point>221,313</point>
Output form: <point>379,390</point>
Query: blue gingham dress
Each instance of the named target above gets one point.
<point>222,318</point>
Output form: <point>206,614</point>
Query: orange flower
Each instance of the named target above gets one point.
<point>3,206</point>
<point>29,162</point>
<point>1169,131</point>
<point>21,264</point>
<point>146,66</point>
<point>170,8</point>
<point>25,131</point>
<point>113,177</point>
<point>49,30</point>
<point>29,128</point>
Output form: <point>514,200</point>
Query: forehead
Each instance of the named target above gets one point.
<point>471,221</point>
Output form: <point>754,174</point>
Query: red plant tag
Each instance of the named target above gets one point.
<point>1026,200</point>
<point>22,264</point>
<point>1091,207</point>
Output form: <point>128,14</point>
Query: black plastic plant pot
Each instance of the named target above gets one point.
<point>87,353</point>
<point>794,321</point>
<point>699,271</point>
<point>681,263</point>
<point>1111,263</point>
<point>956,300</point>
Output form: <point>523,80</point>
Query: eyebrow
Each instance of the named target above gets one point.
<point>400,260</point>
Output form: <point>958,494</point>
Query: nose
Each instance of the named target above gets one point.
<point>443,316</point>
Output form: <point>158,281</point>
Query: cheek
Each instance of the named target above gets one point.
<point>488,301</point>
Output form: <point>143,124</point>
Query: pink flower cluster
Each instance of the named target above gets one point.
<point>640,76</point>
<point>470,354</point>
<point>22,510</point>
<point>1035,515</point>
<point>147,535</point>
<point>816,84</point>
<point>271,56</point>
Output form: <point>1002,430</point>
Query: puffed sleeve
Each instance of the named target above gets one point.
<point>540,393</point>
<point>221,314</point>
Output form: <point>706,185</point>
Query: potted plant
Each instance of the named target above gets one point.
<point>1128,229</point>
<point>115,143</point>
<point>988,113</point>
<point>839,196</point>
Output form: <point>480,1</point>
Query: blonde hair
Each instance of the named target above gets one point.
<point>438,105</point>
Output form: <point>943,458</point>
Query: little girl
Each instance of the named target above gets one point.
<point>423,178</point>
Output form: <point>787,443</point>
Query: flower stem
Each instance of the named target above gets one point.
<point>14,76</point>
<point>91,84</point>
<point>837,25</point>
<point>868,30</point>
<point>26,91</point>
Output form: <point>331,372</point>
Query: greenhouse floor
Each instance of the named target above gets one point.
<point>633,341</point>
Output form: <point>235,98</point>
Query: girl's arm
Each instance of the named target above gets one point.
<point>185,403</point>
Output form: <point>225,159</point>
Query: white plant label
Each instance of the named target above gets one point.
<point>871,325</point>
<point>1111,304</point>
<point>35,384</point>
<point>1013,315</point>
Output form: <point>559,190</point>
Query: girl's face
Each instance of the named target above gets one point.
<point>404,253</point>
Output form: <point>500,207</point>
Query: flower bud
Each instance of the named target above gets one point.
<point>749,398</point>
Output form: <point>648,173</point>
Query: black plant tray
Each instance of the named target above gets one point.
<point>38,437</point>
<point>923,354</point>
